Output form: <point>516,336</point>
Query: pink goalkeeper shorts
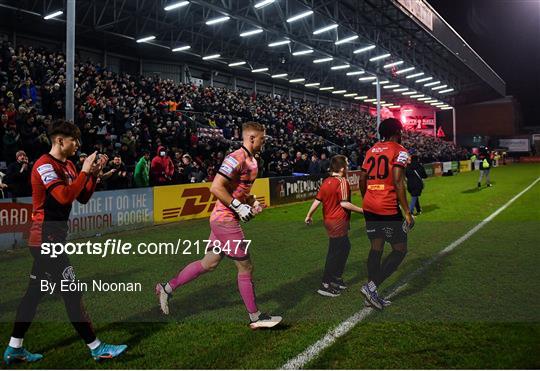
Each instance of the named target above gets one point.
<point>227,239</point>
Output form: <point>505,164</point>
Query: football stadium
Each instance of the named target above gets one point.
<point>269,184</point>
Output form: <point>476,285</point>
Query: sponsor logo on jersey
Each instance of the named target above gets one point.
<point>376,187</point>
<point>47,173</point>
<point>402,157</point>
<point>231,161</point>
<point>388,231</point>
<point>43,169</point>
<point>225,169</point>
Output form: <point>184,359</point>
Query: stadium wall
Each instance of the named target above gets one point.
<point>127,209</point>
<point>493,119</point>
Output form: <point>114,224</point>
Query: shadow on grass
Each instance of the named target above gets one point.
<point>429,208</point>
<point>417,280</point>
<point>206,299</point>
<point>478,189</point>
<point>472,190</point>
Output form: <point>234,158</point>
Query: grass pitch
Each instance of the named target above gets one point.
<point>478,307</point>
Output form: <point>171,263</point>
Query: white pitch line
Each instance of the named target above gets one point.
<point>344,327</point>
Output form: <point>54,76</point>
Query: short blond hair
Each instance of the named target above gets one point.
<point>254,126</point>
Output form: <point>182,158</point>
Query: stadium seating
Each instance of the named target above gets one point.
<point>125,114</point>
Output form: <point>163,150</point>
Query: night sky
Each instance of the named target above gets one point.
<point>506,34</point>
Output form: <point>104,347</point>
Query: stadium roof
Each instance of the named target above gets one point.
<point>318,44</point>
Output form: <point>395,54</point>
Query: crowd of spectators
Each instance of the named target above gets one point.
<point>157,132</point>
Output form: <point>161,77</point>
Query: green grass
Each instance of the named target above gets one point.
<point>478,307</point>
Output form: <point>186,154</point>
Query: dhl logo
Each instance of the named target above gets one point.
<point>376,187</point>
<point>195,201</point>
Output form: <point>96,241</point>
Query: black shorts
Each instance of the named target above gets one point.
<point>51,269</point>
<point>388,227</point>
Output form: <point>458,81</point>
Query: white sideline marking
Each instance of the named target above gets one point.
<point>332,335</point>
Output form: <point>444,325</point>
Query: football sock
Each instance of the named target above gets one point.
<point>254,316</point>
<point>188,274</point>
<point>374,264</point>
<point>94,344</point>
<point>390,264</point>
<point>245,286</point>
<point>15,342</point>
<point>372,286</point>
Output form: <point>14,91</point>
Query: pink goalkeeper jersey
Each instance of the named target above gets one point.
<point>240,167</point>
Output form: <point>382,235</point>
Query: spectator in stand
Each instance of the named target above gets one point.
<point>272,165</point>
<point>178,157</point>
<point>260,166</point>
<point>17,177</point>
<point>80,163</point>
<point>161,168</point>
<point>324,163</point>
<point>179,176</point>
<point>354,160</point>
<point>187,165</point>
<point>113,109</point>
<point>130,140</point>
<point>314,165</point>
<point>10,142</point>
<point>28,91</point>
<point>284,165</point>
<point>141,175</point>
<point>118,178</point>
<point>211,174</point>
<point>301,163</point>
<point>197,175</point>
<point>297,162</point>
<point>127,157</point>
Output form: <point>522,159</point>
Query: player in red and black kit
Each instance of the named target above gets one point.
<point>55,186</point>
<point>382,184</point>
<point>335,196</point>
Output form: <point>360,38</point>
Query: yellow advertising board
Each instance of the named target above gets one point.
<point>465,166</point>
<point>191,201</point>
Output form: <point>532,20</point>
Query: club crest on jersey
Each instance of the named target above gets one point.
<point>68,177</point>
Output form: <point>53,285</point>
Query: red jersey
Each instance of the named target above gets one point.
<point>240,168</point>
<point>333,191</point>
<point>381,197</point>
<point>55,185</point>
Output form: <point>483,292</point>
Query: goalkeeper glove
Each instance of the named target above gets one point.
<point>243,211</point>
